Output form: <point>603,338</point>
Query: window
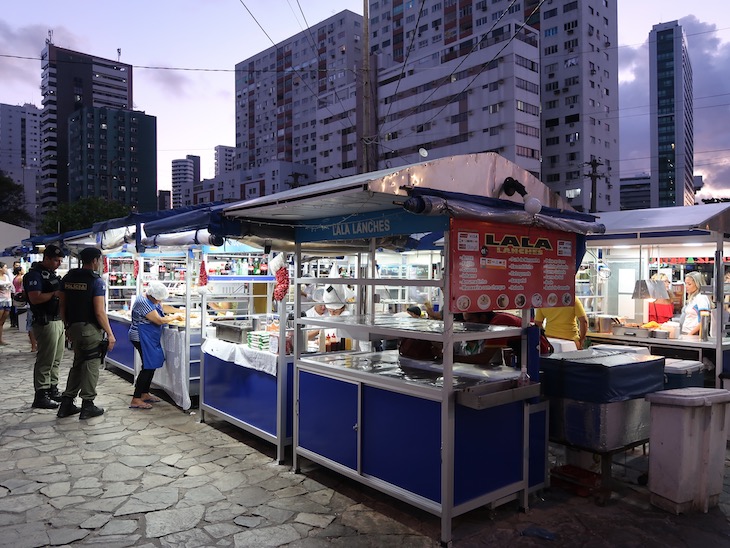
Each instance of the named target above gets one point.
<point>570,6</point>
<point>550,50</point>
<point>547,14</point>
<point>550,141</point>
<point>552,31</point>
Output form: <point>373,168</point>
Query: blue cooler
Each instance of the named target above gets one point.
<point>682,373</point>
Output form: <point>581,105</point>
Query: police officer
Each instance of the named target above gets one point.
<point>42,285</point>
<point>84,312</point>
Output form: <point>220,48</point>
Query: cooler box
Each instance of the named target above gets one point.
<point>621,348</point>
<point>688,436</point>
<point>682,374</point>
<point>600,376</point>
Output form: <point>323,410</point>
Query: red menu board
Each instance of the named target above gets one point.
<point>497,267</point>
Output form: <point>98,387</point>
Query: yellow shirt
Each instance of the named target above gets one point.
<point>561,321</point>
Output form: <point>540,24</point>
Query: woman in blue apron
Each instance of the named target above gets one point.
<point>145,334</point>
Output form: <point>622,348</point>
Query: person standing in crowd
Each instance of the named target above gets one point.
<point>84,312</point>
<point>564,322</point>
<point>6,302</point>
<point>145,334</point>
<point>696,301</point>
<point>42,289</point>
<point>19,305</point>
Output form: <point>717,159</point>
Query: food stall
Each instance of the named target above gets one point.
<point>672,241</point>
<point>444,436</point>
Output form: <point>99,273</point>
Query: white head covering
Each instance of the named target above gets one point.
<point>332,299</point>
<point>157,290</point>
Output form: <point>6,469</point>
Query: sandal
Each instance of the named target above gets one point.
<point>141,406</point>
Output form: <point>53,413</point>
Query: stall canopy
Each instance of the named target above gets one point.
<point>208,217</point>
<point>665,222</point>
<point>277,217</point>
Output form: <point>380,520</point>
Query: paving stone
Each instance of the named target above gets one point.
<point>24,535</point>
<point>223,511</point>
<point>119,527</point>
<point>95,522</point>
<point>250,496</point>
<point>21,503</point>
<point>117,471</point>
<point>159,498</point>
<point>277,535</point>
<point>248,521</point>
<point>119,489</point>
<point>138,461</point>
<point>273,515</point>
<point>188,539</point>
<point>205,494</point>
<point>166,522</point>
<point>316,520</point>
<point>220,530</point>
<point>59,537</point>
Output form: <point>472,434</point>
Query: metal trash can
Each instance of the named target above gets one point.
<point>687,441</point>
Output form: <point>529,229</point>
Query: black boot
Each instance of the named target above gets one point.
<point>89,410</point>
<point>54,394</point>
<point>67,408</point>
<point>43,401</point>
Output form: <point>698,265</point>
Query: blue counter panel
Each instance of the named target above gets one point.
<point>538,448</point>
<point>246,394</point>
<point>328,417</point>
<point>488,449</point>
<point>401,441</point>
<point>123,351</point>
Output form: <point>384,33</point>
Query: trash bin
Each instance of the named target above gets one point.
<point>687,441</point>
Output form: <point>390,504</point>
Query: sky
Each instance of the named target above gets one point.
<point>184,53</point>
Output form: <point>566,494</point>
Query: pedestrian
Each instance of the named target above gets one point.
<point>20,304</point>
<point>564,322</point>
<point>6,298</point>
<point>84,312</point>
<point>145,333</point>
<point>42,288</point>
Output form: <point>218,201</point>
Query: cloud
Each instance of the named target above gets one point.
<point>173,83</point>
<point>709,57</point>
<point>25,45</point>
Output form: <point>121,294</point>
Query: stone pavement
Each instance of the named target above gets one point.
<point>161,478</point>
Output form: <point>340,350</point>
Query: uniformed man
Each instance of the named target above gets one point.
<point>42,287</point>
<point>84,312</point>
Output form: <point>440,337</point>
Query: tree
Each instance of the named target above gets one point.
<point>12,202</point>
<point>82,214</point>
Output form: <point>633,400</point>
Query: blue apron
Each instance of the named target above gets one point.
<point>149,339</point>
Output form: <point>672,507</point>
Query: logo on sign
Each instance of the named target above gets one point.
<point>523,245</point>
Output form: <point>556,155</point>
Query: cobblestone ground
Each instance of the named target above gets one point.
<point>161,478</point>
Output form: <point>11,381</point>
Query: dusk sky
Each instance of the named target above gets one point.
<point>184,53</point>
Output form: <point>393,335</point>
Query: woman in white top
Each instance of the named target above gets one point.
<point>6,286</point>
<point>696,301</point>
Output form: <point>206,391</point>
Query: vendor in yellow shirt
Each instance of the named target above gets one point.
<point>564,322</point>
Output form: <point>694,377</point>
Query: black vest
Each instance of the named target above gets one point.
<point>78,288</point>
<point>50,282</point>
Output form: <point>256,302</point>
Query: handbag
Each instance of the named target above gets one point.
<point>20,300</point>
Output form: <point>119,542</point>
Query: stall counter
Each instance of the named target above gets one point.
<point>245,387</point>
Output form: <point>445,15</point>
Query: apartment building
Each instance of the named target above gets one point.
<point>20,149</point>
<point>112,154</point>
<point>672,121</point>
<point>71,81</point>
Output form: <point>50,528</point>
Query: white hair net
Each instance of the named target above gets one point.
<point>157,290</point>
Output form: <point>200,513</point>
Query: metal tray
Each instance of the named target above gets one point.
<point>234,331</point>
<point>623,331</point>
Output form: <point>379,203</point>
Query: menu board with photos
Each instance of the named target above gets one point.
<point>500,266</point>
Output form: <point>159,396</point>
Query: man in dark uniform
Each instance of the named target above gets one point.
<point>84,312</point>
<point>42,287</point>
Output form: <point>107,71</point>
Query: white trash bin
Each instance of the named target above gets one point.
<point>687,441</point>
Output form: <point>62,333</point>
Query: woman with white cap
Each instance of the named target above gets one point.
<point>145,332</point>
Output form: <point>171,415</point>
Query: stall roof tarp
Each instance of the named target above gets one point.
<point>207,216</point>
<point>711,217</point>
<point>137,218</point>
<point>320,212</point>
<point>480,174</point>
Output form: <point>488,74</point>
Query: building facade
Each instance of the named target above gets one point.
<point>225,159</point>
<point>113,155</point>
<point>185,179</point>
<point>71,81</point>
<point>671,122</point>
<point>579,81</point>
<point>279,93</point>
<point>20,149</point>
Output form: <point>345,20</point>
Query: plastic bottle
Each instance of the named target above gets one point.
<point>328,344</point>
